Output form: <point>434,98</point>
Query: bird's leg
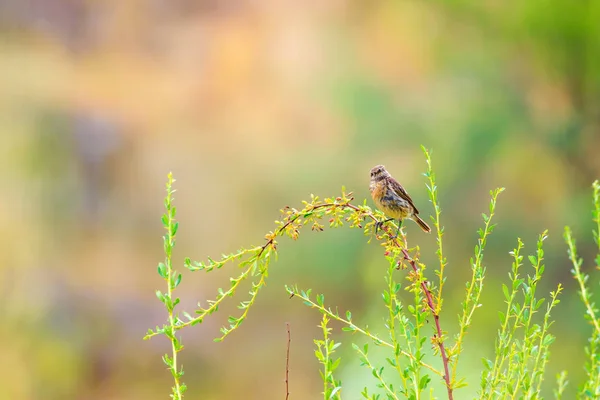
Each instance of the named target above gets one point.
<point>398,231</point>
<point>379,223</point>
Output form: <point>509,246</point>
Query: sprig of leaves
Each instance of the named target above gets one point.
<point>591,387</point>
<point>332,388</point>
<point>350,326</point>
<point>474,287</point>
<point>432,190</point>
<point>173,279</point>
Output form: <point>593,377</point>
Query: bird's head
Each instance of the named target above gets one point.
<point>379,172</point>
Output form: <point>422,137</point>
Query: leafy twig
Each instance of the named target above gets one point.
<point>432,190</point>
<point>377,372</point>
<point>325,349</point>
<point>351,327</point>
<point>173,279</point>
<point>474,287</point>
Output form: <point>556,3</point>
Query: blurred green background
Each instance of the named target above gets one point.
<point>254,105</point>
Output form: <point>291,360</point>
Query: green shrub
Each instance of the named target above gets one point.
<point>521,347</point>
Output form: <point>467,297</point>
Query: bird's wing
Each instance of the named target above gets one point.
<point>399,190</point>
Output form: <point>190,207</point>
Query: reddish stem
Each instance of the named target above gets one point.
<point>438,328</point>
<point>287,362</point>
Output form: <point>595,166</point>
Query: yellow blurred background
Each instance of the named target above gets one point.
<point>255,105</point>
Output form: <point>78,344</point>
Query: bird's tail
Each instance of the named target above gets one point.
<point>421,223</point>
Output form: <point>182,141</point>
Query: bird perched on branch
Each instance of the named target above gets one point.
<point>391,198</point>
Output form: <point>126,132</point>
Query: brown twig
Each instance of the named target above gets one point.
<point>292,220</point>
<point>287,362</point>
<point>431,306</point>
<point>438,328</point>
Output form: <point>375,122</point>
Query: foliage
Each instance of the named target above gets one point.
<point>517,368</point>
<point>591,387</point>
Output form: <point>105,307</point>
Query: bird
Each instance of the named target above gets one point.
<point>391,198</point>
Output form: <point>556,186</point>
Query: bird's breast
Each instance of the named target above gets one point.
<point>389,202</point>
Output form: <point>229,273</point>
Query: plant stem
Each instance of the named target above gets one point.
<point>439,340</point>
<point>287,362</point>
<point>377,340</point>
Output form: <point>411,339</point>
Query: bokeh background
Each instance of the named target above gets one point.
<point>254,105</point>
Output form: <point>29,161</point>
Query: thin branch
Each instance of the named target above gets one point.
<point>584,292</point>
<point>377,374</point>
<point>365,332</point>
<point>439,339</point>
<point>271,240</point>
<point>287,362</point>
<point>172,278</point>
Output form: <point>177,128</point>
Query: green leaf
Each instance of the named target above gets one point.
<point>501,316</point>
<point>548,340</point>
<point>320,299</point>
<point>334,391</point>
<point>167,360</point>
<point>487,364</point>
<point>505,290</point>
<point>533,260</point>
<point>539,303</point>
<point>162,270</point>
<point>177,281</point>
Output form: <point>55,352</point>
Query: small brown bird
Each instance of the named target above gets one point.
<point>391,198</point>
